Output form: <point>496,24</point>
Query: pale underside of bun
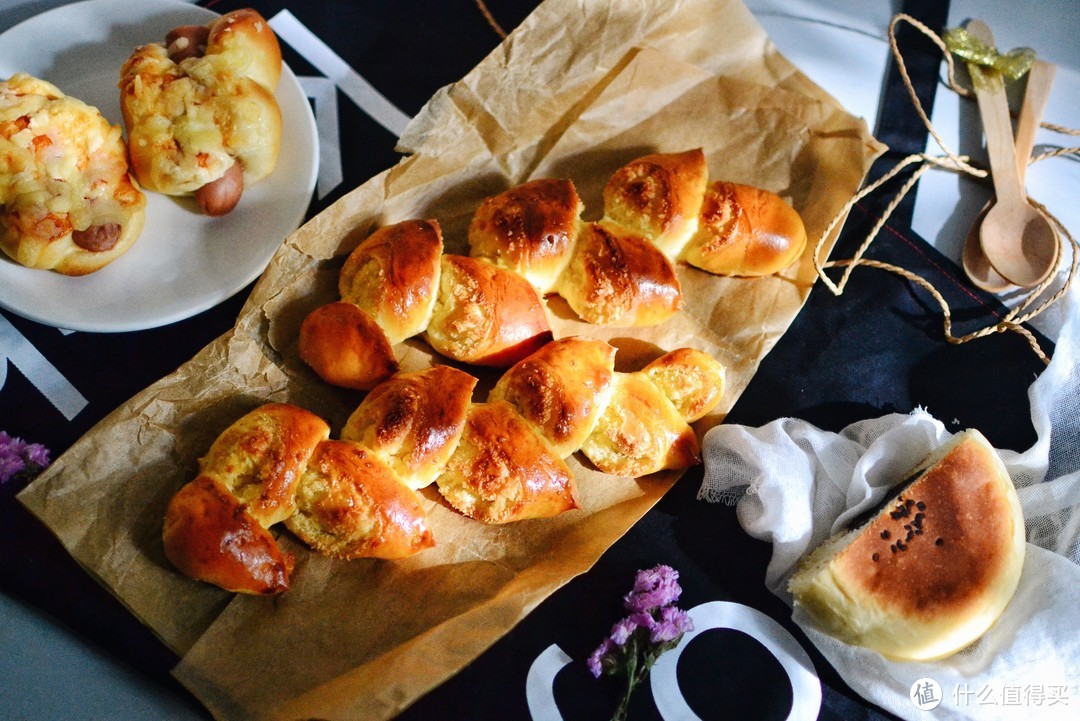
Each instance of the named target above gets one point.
<point>933,570</point>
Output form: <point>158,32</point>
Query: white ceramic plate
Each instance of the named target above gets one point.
<point>184,262</point>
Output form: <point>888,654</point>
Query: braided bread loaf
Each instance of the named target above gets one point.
<point>398,283</point>
<point>609,271</point>
<point>200,110</point>
<point>497,461</point>
<point>530,241</point>
<point>276,464</point>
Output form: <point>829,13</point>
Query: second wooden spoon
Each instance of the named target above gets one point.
<point>1018,239</point>
<point>1040,78</point>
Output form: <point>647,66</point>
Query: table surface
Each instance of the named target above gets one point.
<point>55,666</point>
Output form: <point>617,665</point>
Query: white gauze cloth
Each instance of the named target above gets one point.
<point>795,485</point>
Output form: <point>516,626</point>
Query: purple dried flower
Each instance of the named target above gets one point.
<point>10,446</point>
<point>10,466</point>
<point>37,454</point>
<point>653,627</point>
<point>595,662</point>
<point>19,458</point>
<point>654,588</point>
<point>621,631</point>
<point>673,623</point>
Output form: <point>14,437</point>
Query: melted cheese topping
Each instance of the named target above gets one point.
<point>187,121</point>
<point>63,168</point>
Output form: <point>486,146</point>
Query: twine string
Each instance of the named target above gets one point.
<point>1024,311</point>
<point>490,18</point>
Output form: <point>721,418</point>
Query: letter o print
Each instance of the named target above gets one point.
<point>805,685</point>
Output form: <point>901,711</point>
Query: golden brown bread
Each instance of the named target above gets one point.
<point>349,504</point>
<point>658,197</point>
<point>627,424</point>
<point>691,379</point>
<point>67,200</point>
<point>617,272</point>
<point>413,421</point>
<point>397,284</point>
<point>529,229</point>
<point>244,41</point>
<point>346,347</point>
<point>485,315</point>
<point>393,276</point>
<point>503,470</point>
<point>210,536</point>
<point>260,456</point>
<point>497,462</point>
<point>931,571</point>
<point>191,117</point>
<point>276,463</point>
<point>640,432</point>
<point>745,231</point>
<point>561,389</point>
<point>618,279</point>
<point>216,526</point>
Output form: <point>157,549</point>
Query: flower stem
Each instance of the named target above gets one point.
<point>631,684</point>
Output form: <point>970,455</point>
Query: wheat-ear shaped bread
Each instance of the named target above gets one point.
<point>500,460</point>
<point>530,241</point>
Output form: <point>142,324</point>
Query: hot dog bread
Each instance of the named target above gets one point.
<point>200,110</point>
<point>68,201</point>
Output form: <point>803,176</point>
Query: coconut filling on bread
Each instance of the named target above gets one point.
<point>929,573</point>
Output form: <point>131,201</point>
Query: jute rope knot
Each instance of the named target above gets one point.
<point>1026,309</point>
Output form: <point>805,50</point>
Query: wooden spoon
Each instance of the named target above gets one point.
<point>977,266</point>
<point>1016,237</point>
